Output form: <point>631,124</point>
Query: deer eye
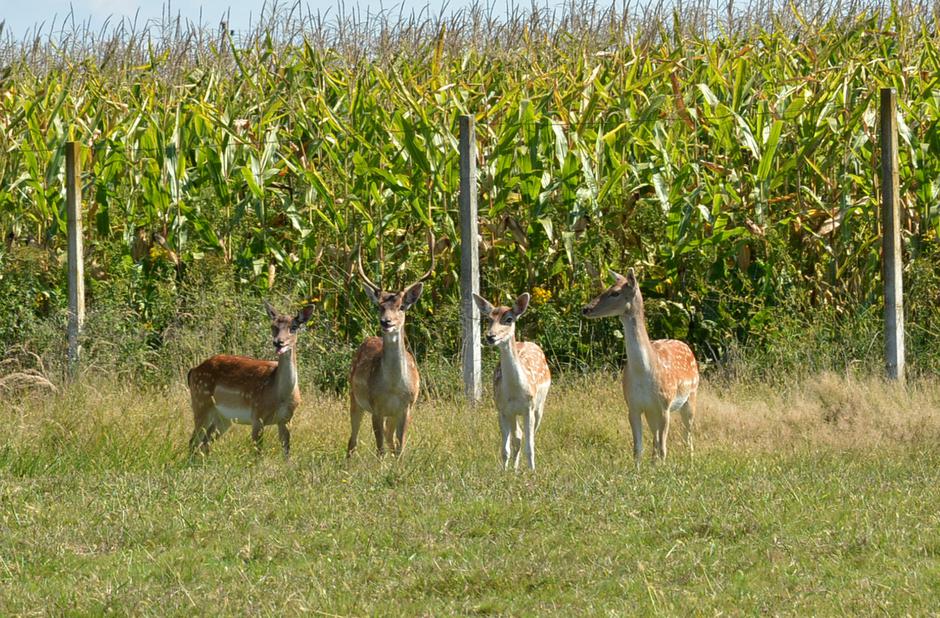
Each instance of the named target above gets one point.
<point>615,293</point>
<point>508,319</point>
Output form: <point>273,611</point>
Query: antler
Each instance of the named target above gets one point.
<point>362,272</point>
<point>431,251</point>
<point>423,277</point>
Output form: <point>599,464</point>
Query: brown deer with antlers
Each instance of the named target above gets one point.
<point>236,389</point>
<point>383,379</point>
<point>659,377</point>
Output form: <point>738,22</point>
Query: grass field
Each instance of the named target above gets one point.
<point>815,498</point>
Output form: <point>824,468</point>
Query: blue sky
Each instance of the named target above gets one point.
<point>21,15</point>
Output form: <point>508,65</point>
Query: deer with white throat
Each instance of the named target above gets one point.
<point>237,389</point>
<point>520,381</point>
<point>660,377</point>
<point>383,378</point>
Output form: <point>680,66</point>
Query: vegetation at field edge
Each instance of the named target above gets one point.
<point>731,157</point>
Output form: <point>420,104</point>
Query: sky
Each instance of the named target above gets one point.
<point>22,15</point>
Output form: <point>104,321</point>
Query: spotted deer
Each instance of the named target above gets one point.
<point>236,389</point>
<point>520,381</point>
<point>659,377</point>
<point>383,378</point>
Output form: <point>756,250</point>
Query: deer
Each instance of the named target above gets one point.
<point>383,377</point>
<point>520,381</point>
<point>659,377</point>
<point>228,389</point>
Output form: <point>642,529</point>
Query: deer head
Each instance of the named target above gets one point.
<point>502,319</point>
<point>393,305</point>
<point>285,328</point>
<point>621,297</point>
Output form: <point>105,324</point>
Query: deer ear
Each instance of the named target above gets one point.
<point>522,303</point>
<point>411,295</point>
<point>304,314</point>
<point>631,276</point>
<point>486,307</point>
<point>371,292</point>
<point>615,275</point>
<point>272,312</point>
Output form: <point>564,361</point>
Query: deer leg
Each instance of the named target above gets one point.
<point>215,428</point>
<point>389,425</point>
<point>516,442</point>
<point>539,408</point>
<point>636,425</point>
<point>209,428</point>
<point>355,419</point>
<point>663,434</point>
<point>505,428</point>
<point>202,426</point>
<point>257,428</point>
<point>284,434</point>
<point>688,416</point>
<point>219,426</point>
<point>378,430</point>
<point>530,438</point>
<point>400,429</point>
<point>199,441</point>
<point>654,420</point>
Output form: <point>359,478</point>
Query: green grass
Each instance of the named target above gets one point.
<point>786,508</point>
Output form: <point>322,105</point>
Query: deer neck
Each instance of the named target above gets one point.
<point>509,365</point>
<point>285,376</point>
<point>635,338</point>
<point>394,361</point>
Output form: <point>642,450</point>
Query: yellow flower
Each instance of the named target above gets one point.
<point>540,296</point>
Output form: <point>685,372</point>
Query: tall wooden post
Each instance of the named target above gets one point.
<point>469,260</point>
<point>73,200</point>
<point>891,238</point>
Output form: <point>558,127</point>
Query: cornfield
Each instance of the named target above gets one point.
<point>731,155</point>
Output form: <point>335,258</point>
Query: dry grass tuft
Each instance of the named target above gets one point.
<point>831,411</point>
<point>23,370</point>
<point>19,380</point>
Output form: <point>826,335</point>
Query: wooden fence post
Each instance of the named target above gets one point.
<point>73,200</point>
<point>469,261</point>
<point>891,238</point>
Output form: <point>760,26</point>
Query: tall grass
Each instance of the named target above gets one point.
<point>815,497</point>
